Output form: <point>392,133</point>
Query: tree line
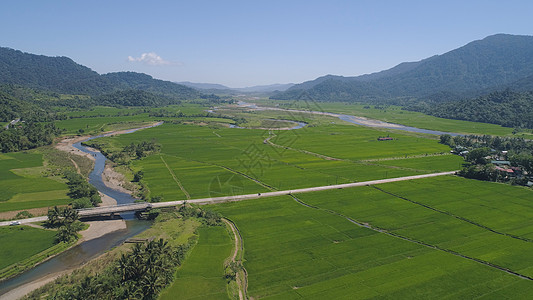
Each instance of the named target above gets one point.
<point>27,135</point>
<point>506,108</point>
<point>83,194</point>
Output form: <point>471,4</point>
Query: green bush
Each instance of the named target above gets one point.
<point>82,203</point>
<point>24,215</point>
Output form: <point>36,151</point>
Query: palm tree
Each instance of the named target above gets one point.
<point>54,215</point>
<point>70,215</point>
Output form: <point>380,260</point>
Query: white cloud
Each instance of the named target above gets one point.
<point>151,58</point>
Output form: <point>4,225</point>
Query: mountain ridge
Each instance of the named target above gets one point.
<point>479,66</point>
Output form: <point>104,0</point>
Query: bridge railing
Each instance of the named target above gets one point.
<point>140,204</point>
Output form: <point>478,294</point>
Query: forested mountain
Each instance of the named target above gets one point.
<point>134,98</point>
<point>10,108</point>
<point>507,108</point>
<point>144,82</point>
<point>58,74</point>
<point>21,103</point>
<point>480,66</point>
<point>265,88</point>
<point>63,75</point>
<point>524,84</point>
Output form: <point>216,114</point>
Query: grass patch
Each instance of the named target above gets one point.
<point>24,247</point>
<point>496,207</point>
<point>25,187</point>
<point>201,275</point>
<point>24,241</point>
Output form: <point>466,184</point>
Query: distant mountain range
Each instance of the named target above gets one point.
<point>495,62</point>
<point>211,87</point>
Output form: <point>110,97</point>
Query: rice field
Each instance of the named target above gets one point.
<point>199,156</point>
<point>294,251</point>
<point>444,237</point>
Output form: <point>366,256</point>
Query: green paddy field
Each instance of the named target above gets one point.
<point>437,238</point>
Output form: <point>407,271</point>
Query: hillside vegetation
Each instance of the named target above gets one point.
<point>492,63</point>
<point>65,76</point>
<point>507,108</point>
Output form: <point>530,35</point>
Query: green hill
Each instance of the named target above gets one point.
<point>63,75</point>
<point>58,74</point>
<point>144,82</point>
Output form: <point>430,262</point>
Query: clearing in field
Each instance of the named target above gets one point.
<point>23,186</point>
<point>22,242</point>
<point>202,274</point>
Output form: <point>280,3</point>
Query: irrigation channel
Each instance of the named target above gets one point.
<point>85,251</point>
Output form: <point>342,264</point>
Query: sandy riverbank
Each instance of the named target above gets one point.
<point>23,290</point>
<point>96,228</point>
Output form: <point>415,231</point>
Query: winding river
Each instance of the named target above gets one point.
<point>352,119</point>
<point>85,251</point>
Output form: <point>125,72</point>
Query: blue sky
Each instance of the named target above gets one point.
<point>245,43</point>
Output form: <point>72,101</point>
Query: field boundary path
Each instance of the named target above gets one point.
<point>175,178</point>
<point>242,283</point>
<point>455,216</point>
<point>406,238</point>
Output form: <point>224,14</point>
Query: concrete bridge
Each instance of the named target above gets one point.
<point>113,210</point>
<point>144,206</point>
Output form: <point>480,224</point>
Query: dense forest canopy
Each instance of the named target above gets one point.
<point>134,98</point>
<point>506,108</point>
<point>59,74</point>
<point>144,82</point>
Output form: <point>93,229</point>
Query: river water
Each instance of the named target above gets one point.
<point>84,252</point>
